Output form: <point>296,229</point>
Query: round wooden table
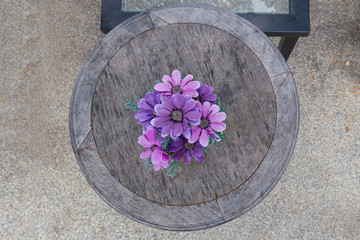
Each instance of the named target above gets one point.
<point>218,48</point>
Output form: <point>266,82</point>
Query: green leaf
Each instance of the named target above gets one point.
<point>221,136</point>
<point>149,164</point>
<point>132,106</point>
<point>174,168</point>
<point>222,107</point>
<point>205,149</point>
<point>166,143</point>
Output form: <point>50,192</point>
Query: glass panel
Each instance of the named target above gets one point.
<point>237,6</point>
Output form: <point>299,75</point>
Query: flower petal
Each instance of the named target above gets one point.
<point>199,159</point>
<point>218,126</point>
<point>187,157</point>
<point>179,154</point>
<point>184,123</point>
<point>177,129</point>
<point>160,121</point>
<point>146,154</point>
<point>195,134</point>
<point>145,127</point>
<point>147,118</point>
<point>168,80</point>
<point>143,122</point>
<point>165,158</point>
<point>204,138</point>
<point>209,98</point>
<point>144,142</point>
<point>218,117</point>
<point>166,103</point>
<point>205,109</point>
<point>205,90</point>
<point>197,151</point>
<point>176,76</point>
<point>186,97</point>
<point>151,135</point>
<point>214,109</point>
<point>160,111</point>
<point>142,104</point>
<point>162,87</point>
<point>142,113</point>
<point>194,123</point>
<point>177,100</point>
<point>157,97</point>
<point>157,167</point>
<point>158,141</point>
<point>166,130</point>
<point>211,133</point>
<point>192,85</point>
<point>189,105</point>
<point>198,105</point>
<point>192,116</point>
<point>175,148</point>
<point>149,97</point>
<point>165,164</point>
<point>156,156</point>
<point>172,134</point>
<point>186,132</point>
<point>191,92</point>
<point>186,79</point>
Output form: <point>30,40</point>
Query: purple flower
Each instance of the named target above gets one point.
<point>205,94</point>
<point>174,114</point>
<point>159,157</point>
<point>183,149</point>
<point>146,105</point>
<point>174,84</point>
<point>211,120</point>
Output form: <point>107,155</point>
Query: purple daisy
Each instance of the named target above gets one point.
<point>175,84</point>
<point>211,121</point>
<point>173,115</point>
<point>159,157</point>
<point>183,149</point>
<point>146,105</point>
<point>206,94</point>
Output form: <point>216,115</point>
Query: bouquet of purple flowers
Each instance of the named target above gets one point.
<point>180,121</point>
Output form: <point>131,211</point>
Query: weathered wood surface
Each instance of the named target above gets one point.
<point>238,27</point>
<point>137,207</point>
<point>274,164</point>
<point>79,116</point>
<point>247,72</point>
<point>217,59</point>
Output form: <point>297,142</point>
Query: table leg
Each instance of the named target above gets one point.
<point>286,46</point>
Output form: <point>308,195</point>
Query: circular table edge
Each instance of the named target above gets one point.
<point>282,81</point>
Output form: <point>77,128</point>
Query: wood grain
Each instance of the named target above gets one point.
<point>217,59</point>
<point>247,71</point>
<point>79,115</point>
<point>136,207</point>
<point>274,164</point>
<point>238,27</point>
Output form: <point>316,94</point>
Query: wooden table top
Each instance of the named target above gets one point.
<point>218,48</point>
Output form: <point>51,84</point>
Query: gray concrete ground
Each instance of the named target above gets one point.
<point>45,196</point>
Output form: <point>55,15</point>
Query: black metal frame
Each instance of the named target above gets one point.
<point>288,26</point>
